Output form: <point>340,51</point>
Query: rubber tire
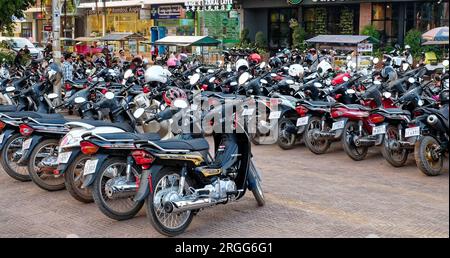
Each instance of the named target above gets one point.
<point>421,161</point>
<point>96,194</point>
<point>35,177</point>
<point>259,196</point>
<point>70,183</point>
<point>386,152</point>
<point>6,167</point>
<point>151,213</point>
<point>307,141</point>
<point>282,145</point>
<point>349,148</point>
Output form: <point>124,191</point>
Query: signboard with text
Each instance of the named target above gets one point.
<point>170,11</point>
<point>365,47</point>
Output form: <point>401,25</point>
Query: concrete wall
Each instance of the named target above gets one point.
<point>256,20</point>
<point>365,15</point>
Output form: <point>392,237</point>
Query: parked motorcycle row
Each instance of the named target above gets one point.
<point>127,148</point>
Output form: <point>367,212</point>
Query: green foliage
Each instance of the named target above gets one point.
<point>260,40</point>
<point>370,30</point>
<point>15,8</point>
<point>244,36</point>
<point>413,39</point>
<point>298,35</point>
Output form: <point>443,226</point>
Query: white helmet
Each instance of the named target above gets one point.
<point>156,73</point>
<point>407,47</point>
<point>296,70</point>
<point>324,68</point>
<point>241,63</point>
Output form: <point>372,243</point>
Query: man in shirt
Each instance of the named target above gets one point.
<point>67,68</point>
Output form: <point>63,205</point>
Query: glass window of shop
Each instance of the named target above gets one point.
<point>26,30</point>
<point>177,27</point>
<point>335,20</point>
<point>279,30</point>
<point>120,22</point>
<point>385,18</point>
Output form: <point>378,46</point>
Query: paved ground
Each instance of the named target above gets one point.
<point>307,196</point>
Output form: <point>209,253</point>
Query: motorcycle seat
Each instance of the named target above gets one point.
<point>124,126</point>
<point>395,111</point>
<point>358,107</point>
<point>199,144</point>
<point>324,104</point>
<point>131,136</point>
<point>8,108</point>
<point>34,115</point>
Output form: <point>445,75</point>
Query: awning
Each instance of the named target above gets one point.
<point>427,43</point>
<point>87,39</point>
<point>122,37</point>
<point>34,10</point>
<point>184,41</point>
<point>341,39</point>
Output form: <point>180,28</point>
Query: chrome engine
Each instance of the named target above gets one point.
<point>220,191</point>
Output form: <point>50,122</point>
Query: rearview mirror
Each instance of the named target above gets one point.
<point>194,79</point>
<point>411,80</point>
<point>210,71</point>
<point>262,65</point>
<point>180,103</point>
<point>376,60</point>
<point>318,85</point>
<point>346,79</point>
<point>52,96</point>
<point>445,63</point>
<point>109,95</point>
<point>350,91</point>
<point>244,78</point>
<point>263,81</point>
<point>138,113</point>
<point>273,75</point>
<point>420,103</point>
<point>10,89</point>
<point>233,84</point>
<point>79,100</point>
<point>387,94</point>
<point>377,82</point>
<point>212,79</point>
<point>128,74</point>
<point>290,82</point>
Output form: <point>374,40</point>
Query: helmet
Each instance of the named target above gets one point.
<point>324,68</point>
<point>241,65</point>
<point>173,94</point>
<point>407,47</point>
<point>275,62</point>
<point>155,74</point>
<point>254,58</point>
<point>172,62</point>
<point>443,97</point>
<point>183,57</point>
<point>388,73</point>
<point>296,70</point>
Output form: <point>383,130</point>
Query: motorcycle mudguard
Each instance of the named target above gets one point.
<point>26,153</point>
<point>63,167</point>
<point>89,179</point>
<point>253,175</point>
<point>146,183</point>
<point>380,140</point>
<point>340,131</point>
<point>6,135</point>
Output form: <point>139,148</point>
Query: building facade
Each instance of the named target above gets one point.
<point>393,19</point>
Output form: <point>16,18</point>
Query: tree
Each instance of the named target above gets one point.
<point>413,39</point>
<point>298,35</point>
<point>10,9</point>
<point>260,40</point>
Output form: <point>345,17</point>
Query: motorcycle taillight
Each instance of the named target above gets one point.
<point>88,148</point>
<point>2,125</point>
<point>25,130</point>
<point>301,111</point>
<point>143,158</point>
<point>68,86</point>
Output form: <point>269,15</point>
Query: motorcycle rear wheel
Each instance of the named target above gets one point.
<point>286,140</point>
<point>74,181</point>
<point>45,180</point>
<point>396,158</point>
<point>423,156</point>
<point>354,152</point>
<point>315,146</point>
<point>13,144</point>
<point>155,209</point>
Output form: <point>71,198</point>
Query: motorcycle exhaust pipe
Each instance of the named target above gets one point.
<point>323,135</point>
<point>120,188</point>
<point>181,206</point>
<point>432,119</point>
<point>365,142</point>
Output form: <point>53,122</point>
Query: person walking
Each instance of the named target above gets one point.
<point>122,58</point>
<point>67,68</point>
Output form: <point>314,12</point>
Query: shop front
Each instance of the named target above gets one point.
<point>393,19</point>
<point>175,18</point>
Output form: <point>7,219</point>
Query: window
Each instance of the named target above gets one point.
<point>279,30</point>
<point>27,30</point>
<point>343,19</point>
<point>385,18</point>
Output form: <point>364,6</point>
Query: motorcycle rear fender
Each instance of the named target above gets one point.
<point>146,184</point>
<point>26,153</point>
<point>7,134</point>
<point>63,167</point>
<point>340,131</point>
<point>89,179</point>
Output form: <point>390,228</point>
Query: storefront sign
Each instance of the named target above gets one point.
<point>145,14</point>
<point>48,28</point>
<point>365,47</point>
<point>209,5</point>
<point>174,11</point>
<point>116,10</point>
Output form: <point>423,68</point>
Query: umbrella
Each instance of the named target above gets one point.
<point>436,34</point>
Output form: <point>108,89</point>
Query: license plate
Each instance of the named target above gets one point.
<point>194,107</point>
<point>64,157</point>
<point>248,112</point>
<point>90,166</point>
<point>2,136</point>
<point>376,130</point>
<point>338,125</point>
<point>26,144</point>
<point>275,115</point>
<point>413,131</point>
<point>302,121</point>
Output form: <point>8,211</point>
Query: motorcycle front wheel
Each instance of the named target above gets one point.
<point>428,160</point>
<point>169,224</point>
<point>354,152</point>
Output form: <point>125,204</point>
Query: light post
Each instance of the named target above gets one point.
<point>56,12</point>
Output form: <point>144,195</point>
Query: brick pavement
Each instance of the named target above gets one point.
<point>307,196</point>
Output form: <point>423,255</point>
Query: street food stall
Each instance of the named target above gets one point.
<point>191,41</point>
<point>356,45</point>
<point>129,41</point>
